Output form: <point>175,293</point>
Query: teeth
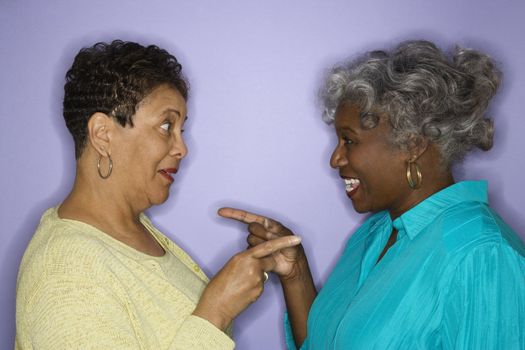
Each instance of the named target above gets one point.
<point>351,184</point>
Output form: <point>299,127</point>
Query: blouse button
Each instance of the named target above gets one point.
<point>196,268</point>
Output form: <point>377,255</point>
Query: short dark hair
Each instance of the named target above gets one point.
<point>113,78</point>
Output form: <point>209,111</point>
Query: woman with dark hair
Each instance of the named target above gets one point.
<point>97,274</point>
<point>433,267</point>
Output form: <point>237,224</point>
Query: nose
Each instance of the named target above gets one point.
<point>179,148</point>
<point>338,158</point>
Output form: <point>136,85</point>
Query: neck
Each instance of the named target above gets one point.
<point>100,203</point>
<point>430,186</point>
<point>103,204</point>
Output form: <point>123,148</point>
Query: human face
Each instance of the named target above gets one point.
<point>147,155</point>
<point>373,169</point>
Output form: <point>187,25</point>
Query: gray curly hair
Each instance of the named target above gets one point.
<point>424,92</point>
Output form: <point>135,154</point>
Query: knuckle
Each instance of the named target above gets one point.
<point>282,229</point>
<point>269,246</point>
<point>253,240</point>
<point>243,214</point>
<point>237,258</point>
<point>251,271</point>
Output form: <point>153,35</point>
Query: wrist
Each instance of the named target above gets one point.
<point>300,270</point>
<point>212,315</point>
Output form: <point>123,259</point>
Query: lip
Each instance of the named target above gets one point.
<point>344,177</point>
<point>170,170</point>
<point>351,193</point>
<point>166,173</point>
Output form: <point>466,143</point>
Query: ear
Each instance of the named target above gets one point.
<point>99,133</point>
<point>417,146</point>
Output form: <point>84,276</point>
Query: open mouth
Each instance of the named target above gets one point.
<point>351,186</point>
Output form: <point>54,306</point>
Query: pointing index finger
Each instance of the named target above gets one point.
<point>241,215</point>
<point>270,247</point>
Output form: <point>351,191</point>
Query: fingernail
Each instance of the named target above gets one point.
<point>295,239</point>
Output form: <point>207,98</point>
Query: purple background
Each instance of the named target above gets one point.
<point>255,135</point>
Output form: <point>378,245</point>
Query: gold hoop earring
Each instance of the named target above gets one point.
<point>417,184</point>
<point>110,167</point>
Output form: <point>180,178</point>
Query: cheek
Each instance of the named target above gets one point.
<point>390,176</point>
<point>148,149</point>
<point>381,171</point>
<point>136,161</point>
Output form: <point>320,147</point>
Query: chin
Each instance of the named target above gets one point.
<point>159,198</point>
<point>361,209</point>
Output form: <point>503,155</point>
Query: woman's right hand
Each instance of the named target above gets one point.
<point>240,282</point>
<point>263,229</point>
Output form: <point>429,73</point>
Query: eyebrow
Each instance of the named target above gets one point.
<point>170,110</point>
<point>348,128</point>
<point>173,110</point>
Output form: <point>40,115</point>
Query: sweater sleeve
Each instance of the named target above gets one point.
<point>198,333</point>
<point>68,312</point>
<point>485,307</point>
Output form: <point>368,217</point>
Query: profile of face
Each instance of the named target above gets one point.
<point>147,155</point>
<point>374,170</point>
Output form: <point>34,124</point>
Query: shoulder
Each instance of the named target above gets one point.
<point>470,225</point>
<point>63,246</point>
<point>482,255</point>
<point>492,268</point>
<point>61,253</point>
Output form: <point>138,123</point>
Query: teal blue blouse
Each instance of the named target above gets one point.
<point>454,279</point>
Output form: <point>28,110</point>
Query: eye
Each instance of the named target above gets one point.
<point>347,140</point>
<point>166,126</point>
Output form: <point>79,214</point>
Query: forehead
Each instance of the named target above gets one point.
<point>163,98</point>
<point>347,115</point>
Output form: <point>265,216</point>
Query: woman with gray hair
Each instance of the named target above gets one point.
<point>433,267</point>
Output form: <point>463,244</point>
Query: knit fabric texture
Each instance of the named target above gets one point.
<point>80,288</point>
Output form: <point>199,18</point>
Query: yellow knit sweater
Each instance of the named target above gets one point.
<point>80,288</point>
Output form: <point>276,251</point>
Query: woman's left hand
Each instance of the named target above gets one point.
<point>290,264</point>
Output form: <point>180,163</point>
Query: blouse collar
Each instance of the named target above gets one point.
<point>413,221</point>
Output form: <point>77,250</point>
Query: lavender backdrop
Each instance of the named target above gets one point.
<point>255,136</point>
